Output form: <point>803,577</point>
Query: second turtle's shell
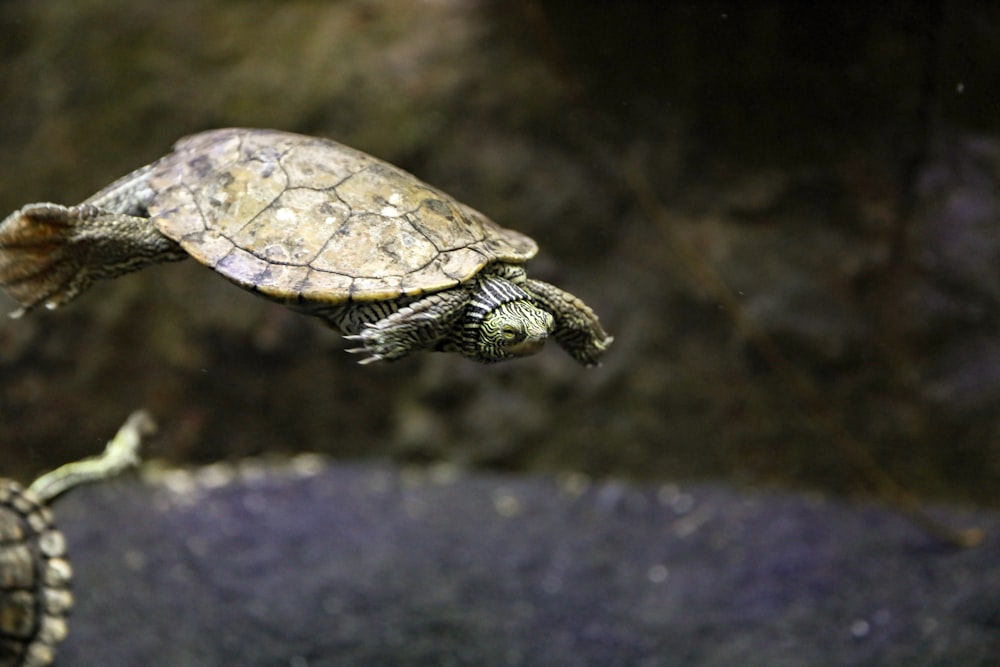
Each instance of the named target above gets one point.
<point>34,580</point>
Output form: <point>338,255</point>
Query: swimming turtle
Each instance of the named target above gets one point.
<point>35,574</point>
<point>391,262</point>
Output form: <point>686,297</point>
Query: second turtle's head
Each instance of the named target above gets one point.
<point>513,329</point>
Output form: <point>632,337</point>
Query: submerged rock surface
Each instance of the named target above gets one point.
<point>369,565</point>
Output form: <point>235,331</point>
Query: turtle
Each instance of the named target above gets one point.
<point>35,575</point>
<point>394,264</point>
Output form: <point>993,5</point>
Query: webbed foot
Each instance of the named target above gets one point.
<point>50,253</point>
<point>35,265</point>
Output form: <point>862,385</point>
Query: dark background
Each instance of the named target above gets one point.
<point>786,213</point>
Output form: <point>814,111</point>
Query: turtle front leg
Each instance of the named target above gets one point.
<point>50,253</point>
<point>577,328</point>
<point>425,324</point>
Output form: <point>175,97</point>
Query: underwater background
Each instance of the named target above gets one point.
<point>786,216</point>
<point>785,213</point>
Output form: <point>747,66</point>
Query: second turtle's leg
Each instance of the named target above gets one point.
<point>121,452</point>
<point>50,253</point>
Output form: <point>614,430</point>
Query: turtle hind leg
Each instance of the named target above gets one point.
<point>33,268</point>
<point>577,328</point>
<point>49,253</point>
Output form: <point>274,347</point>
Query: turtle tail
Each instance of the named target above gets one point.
<point>49,253</point>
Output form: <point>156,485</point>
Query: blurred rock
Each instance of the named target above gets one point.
<point>373,565</point>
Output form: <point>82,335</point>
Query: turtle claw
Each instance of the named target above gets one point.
<point>363,349</point>
<point>367,360</point>
<point>379,342</point>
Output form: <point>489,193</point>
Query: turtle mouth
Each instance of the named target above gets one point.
<point>530,345</point>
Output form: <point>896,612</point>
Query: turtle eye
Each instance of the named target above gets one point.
<point>509,333</point>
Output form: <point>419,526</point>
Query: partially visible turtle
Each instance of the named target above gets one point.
<point>35,597</point>
<point>386,259</point>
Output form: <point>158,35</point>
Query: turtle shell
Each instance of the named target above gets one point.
<point>34,580</point>
<point>307,219</point>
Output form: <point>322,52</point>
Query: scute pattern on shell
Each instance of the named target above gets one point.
<point>34,580</point>
<point>308,219</point>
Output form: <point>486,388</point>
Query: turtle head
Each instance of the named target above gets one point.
<point>512,329</point>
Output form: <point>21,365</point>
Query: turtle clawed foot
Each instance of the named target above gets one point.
<point>381,343</point>
<point>591,352</point>
<point>362,349</point>
<point>371,344</point>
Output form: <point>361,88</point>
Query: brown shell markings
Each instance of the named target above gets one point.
<point>34,580</point>
<point>308,219</point>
